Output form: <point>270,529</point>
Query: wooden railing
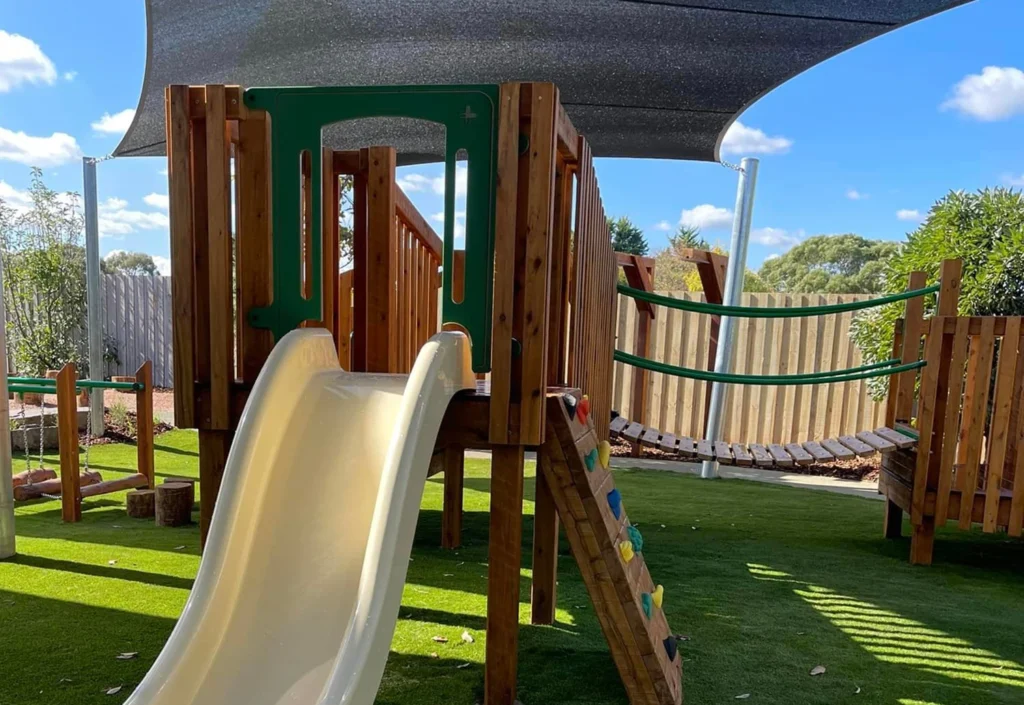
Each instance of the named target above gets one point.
<point>419,261</point>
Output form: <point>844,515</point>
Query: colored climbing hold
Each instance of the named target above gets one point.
<point>645,602</point>
<point>626,549</point>
<point>583,409</point>
<point>670,647</point>
<point>570,404</point>
<point>604,453</point>
<point>636,538</point>
<point>590,459</point>
<point>615,502</point>
<point>659,596</point>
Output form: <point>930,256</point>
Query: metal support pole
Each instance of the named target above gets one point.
<point>7,548</point>
<point>734,272</point>
<point>93,292</point>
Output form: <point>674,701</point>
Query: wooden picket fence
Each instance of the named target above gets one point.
<point>137,318</point>
<point>762,414</point>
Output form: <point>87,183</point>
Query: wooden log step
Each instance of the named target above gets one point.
<point>52,486</point>
<point>685,447</point>
<point>30,477</point>
<point>876,441</point>
<point>780,456</point>
<point>799,455</point>
<point>704,450</point>
<point>121,483</point>
<point>857,446</point>
<point>650,438</point>
<point>617,426</point>
<point>633,432</point>
<point>173,503</point>
<point>819,454</point>
<point>668,443</point>
<point>141,504</point>
<point>723,453</point>
<point>739,452</point>
<point>837,449</point>
<point>895,437</point>
<point>761,455</point>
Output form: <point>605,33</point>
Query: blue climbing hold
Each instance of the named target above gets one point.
<point>570,404</point>
<point>670,648</point>
<point>636,538</point>
<point>590,459</point>
<point>615,502</point>
<point>647,603</point>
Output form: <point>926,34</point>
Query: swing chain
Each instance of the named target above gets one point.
<point>42,427</point>
<point>88,438</point>
<point>24,439</point>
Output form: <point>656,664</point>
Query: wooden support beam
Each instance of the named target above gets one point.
<point>451,511</point>
<point>213,456</point>
<point>330,246</point>
<point>545,551</point>
<point>504,561</point>
<point>67,435</point>
<point>360,263</point>
<point>913,329</point>
<point>381,261</point>
<point>144,422</point>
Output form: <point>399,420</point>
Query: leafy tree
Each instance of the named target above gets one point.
<point>984,229</point>
<point>121,262</point>
<point>687,236</point>
<point>831,264</point>
<point>44,279</point>
<point>627,237</point>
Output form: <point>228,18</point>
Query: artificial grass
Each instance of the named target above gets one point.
<point>767,582</point>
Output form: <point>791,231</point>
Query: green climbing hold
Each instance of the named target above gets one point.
<point>590,459</point>
<point>647,602</point>
<point>636,539</point>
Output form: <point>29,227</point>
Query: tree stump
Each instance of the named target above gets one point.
<point>190,481</point>
<point>174,504</point>
<point>141,504</point>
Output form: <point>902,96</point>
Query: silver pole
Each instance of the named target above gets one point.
<point>7,548</point>
<point>93,293</point>
<point>733,290</point>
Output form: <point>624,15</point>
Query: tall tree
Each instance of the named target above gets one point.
<point>687,236</point>
<point>831,264</point>
<point>121,262</point>
<point>627,237</point>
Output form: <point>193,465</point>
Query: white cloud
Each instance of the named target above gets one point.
<point>115,218</point>
<point>58,148</point>
<point>163,265</point>
<point>774,255</point>
<point>773,237</point>
<point>996,93</point>
<point>909,214</point>
<point>13,198</point>
<point>460,223</point>
<point>855,195</point>
<point>22,61</point>
<point>706,217</point>
<point>70,75</point>
<point>158,200</point>
<point>740,139</point>
<point>663,226</point>
<point>413,183</point>
<point>116,124</point>
<point>1013,180</point>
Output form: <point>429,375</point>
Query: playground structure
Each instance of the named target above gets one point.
<point>73,485</point>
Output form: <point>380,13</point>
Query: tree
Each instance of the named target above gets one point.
<point>627,237</point>
<point>44,279</point>
<point>831,264</point>
<point>121,262</point>
<point>984,229</point>
<point>687,236</point>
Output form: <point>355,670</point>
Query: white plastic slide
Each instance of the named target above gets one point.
<point>301,579</point>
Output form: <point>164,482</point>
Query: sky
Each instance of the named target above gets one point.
<point>863,143</point>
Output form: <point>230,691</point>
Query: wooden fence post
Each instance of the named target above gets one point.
<point>913,329</point>
<point>381,274</point>
<point>67,435</point>
<point>144,421</point>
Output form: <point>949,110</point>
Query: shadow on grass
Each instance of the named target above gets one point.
<point>100,571</point>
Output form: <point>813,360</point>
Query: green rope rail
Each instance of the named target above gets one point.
<point>831,377</point>
<point>761,312</point>
<point>82,383</point>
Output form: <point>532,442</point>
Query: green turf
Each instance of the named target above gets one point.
<point>767,583</point>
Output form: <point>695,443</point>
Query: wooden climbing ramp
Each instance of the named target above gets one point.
<point>609,552</point>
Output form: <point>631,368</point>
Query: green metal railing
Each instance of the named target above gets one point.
<point>50,385</point>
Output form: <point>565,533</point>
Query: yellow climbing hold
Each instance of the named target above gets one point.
<point>659,596</point>
<point>626,549</point>
<point>604,453</point>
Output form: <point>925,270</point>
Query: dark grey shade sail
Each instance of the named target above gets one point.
<point>640,78</point>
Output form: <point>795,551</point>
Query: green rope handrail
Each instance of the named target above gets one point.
<point>830,377</point>
<point>762,312</point>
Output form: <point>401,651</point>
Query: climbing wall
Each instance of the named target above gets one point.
<point>609,552</point>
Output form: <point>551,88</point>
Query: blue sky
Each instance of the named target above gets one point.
<point>863,143</point>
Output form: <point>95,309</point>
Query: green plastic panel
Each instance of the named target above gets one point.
<point>298,115</point>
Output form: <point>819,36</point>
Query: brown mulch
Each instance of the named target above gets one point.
<point>860,469</point>
<point>120,432</point>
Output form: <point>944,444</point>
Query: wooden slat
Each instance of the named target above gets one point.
<point>799,455</point>
<point>668,443</point>
<point>817,452</point>
<point>927,423</point>
<point>780,456</point>
<point>895,437</point>
<point>837,449</point>
<point>857,446</point>
<point>979,372</point>
<point>329,240</point>
<point>739,452</point>
<point>704,450</point>
<point>761,455</point>
<point>219,293</point>
<point>617,426</point>
<point>913,327</point>
<point>723,453</point>
<point>419,226</point>
<point>999,430</point>
<point>951,422</point>
<point>875,441</point>
<point>650,438</point>
<point>345,319</point>
<point>381,304</point>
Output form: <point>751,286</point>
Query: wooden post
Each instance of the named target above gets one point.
<point>344,325</point>
<point>330,246</point>
<point>144,421</point>
<point>67,434</point>
<point>504,561</point>
<point>219,282</point>
<point>213,455</point>
<point>913,329</point>
<point>712,278</point>
<point>360,262</point>
<point>451,511</point>
<point>893,525</point>
<point>545,551</point>
<point>381,261</point>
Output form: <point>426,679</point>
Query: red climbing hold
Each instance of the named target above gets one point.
<point>583,409</point>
